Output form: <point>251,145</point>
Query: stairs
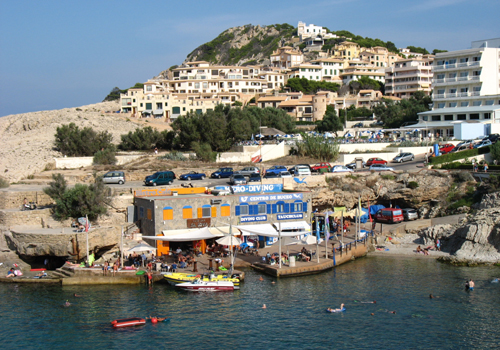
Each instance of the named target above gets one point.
<point>63,272</point>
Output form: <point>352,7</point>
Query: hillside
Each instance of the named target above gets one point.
<point>243,45</point>
<point>28,138</point>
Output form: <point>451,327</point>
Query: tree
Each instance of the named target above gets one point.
<point>317,147</point>
<point>105,157</point>
<point>394,114</point>
<point>204,152</point>
<point>79,201</point>
<point>114,95</point>
<point>417,49</point>
<point>72,141</point>
<point>495,151</point>
<point>141,139</point>
<point>310,86</point>
<point>435,51</point>
<point>365,83</point>
<point>330,122</point>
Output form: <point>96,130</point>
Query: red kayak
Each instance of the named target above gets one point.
<point>128,322</point>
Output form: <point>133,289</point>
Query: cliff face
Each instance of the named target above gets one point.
<point>475,241</point>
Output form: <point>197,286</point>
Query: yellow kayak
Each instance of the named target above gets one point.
<point>179,277</point>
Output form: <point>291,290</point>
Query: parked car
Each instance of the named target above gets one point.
<point>316,168</point>
<point>467,144</point>
<point>371,161</point>
<point>237,179</point>
<point>301,170</point>
<point>222,172</point>
<point>484,143</point>
<point>160,178</point>
<point>271,175</point>
<point>114,177</point>
<point>404,157</point>
<point>254,178</point>
<point>341,169</point>
<point>284,174</point>
<point>380,167</point>
<point>459,148</point>
<point>492,137</point>
<point>377,123</point>
<point>391,215</point>
<point>358,125</point>
<point>192,175</point>
<point>353,165</point>
<point>446,148</point>
<point>247,171</point>
<point>276,169</point>
<point>410,214</point>
<point>291,170</point>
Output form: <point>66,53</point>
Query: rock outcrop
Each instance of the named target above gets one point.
<point>475,241</point>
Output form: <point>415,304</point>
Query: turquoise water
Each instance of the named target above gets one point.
<point>32,316</point>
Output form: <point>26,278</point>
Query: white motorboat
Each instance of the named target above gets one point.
<point>199,285</point>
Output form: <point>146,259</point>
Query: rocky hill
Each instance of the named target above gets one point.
<point>28,138</point>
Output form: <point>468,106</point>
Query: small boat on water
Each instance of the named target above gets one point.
<point>179,277</point>
<point>128,322</point>
<point>207,286</point>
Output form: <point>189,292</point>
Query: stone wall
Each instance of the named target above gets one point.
<point>39,243</point>
<point>78,162</point>
<point>14,199</point>
<point>11,218</point>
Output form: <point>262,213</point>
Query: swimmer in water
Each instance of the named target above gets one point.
<point>260,278</point>
<point>264,306</point>
<point>392,312</point>
<point>67,303</point>
<point>369,302</point>
<point>77,296</point>
<point>336,310</point>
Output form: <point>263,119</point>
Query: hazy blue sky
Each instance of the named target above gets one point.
<point>57,54</point>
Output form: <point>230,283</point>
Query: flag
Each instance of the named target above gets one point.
<point>317,228</point>
<point>257,157</point>
<point>327,226</point>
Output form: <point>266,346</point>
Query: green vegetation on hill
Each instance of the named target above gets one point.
<point>363,42</point>
<point>394,114</point>
<point>310,86</point>
<point>262,43</point>
<point>114,95</point>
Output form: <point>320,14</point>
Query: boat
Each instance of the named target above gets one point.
<point>207,286</point>
<point>174,278</point>
<point>128,322</point>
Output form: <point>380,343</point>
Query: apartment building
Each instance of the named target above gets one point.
<point>408,76</point>
<point>379,56</point>
<point>306,70</point>
<point>306,31</point>
<point>346,50</point>
<point>355,69</point>
<point>330,69</point>
<point>465,89</point>
<point>286,57</point>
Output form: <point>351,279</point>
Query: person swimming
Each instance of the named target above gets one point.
<point>67,303</point>
<point>264,306</point>
<point>342,308</point>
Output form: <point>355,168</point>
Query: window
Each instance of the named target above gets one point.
<point>448,117</point>
<point>297,206</point>
<point>176,110</point>
<point>440,91</point>
<point>244,209</point>
<point>440,76</point>
<point>149,88</point>
<point>280,207</point>
<point>225,210</point>
<point>474,116</point>
<point>464,104</point>
<point>453,91</point>
<point>141,212</point>
<point>196,85</point>
<point>168,213</point>
<point>187,212</point>
<point>262,208</point>
<point>476,103</point>
<point>489,103</point>
<point>453,104</point>
<point>441,105</point>
<point>461,117</point>
<point>205,211</point>
<point>436,118</point>
<point>487,115</point>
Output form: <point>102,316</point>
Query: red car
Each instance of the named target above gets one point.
<point>316,168</point>
<point>375,161</point>
<point>443,149</point>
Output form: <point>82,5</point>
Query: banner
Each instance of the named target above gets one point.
<point>257,157</point>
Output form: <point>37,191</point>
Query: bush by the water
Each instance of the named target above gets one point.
<point>105,157</point>
<point>450,157</point>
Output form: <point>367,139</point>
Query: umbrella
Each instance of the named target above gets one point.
<point>229,240</point>
<point>348,135</point>
<point>259,136</point>
<point>143,247</point>
<point>416,130</point>
<point>288,240</point>
<point>246,245</point>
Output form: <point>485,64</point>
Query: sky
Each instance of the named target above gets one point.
<point>60,54</point>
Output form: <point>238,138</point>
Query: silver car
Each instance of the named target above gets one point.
<point>410,214</point>
<point>237,179</point>
<point>247,171</point>
<point>404,157</point>
<point>380,167</point>
<point>114,177</point>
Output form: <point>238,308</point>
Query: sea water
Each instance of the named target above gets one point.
<point>33,316</point>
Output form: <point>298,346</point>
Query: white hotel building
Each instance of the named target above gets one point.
<point>466,91</point>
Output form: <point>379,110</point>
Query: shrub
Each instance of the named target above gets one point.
<point>79,201</point>
<point>462,176</point>
<point>3,182</point>
<point>174,156</point>
<point>204,152</point>
<point>316,147</point>
<point>450,157</point>
<point>388,177</point>
<point>412,184</point>
<point>105,157</point>
<point>141,139</point>
<point>495,151</point>
<point>72,141</point>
